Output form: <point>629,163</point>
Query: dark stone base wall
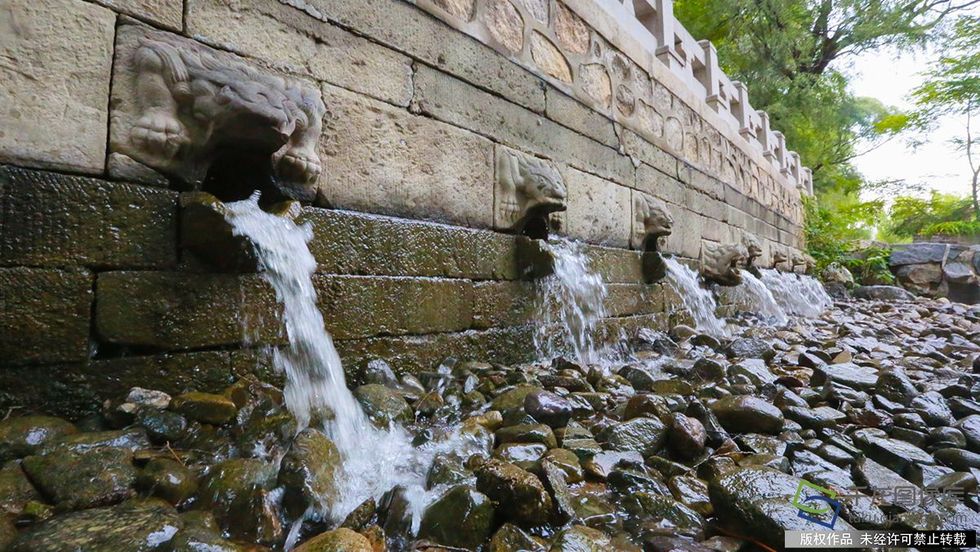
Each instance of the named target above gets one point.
<point>98,295</point>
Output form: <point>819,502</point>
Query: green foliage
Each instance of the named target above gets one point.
<point>911,216</point>
<point>870,267</point>
<point>832,230</point>
<point>953,228</point>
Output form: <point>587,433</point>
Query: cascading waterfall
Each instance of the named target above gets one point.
<point>699,301</point>
<point>374,460</point>
<point>754,294</point>
<point>797,294</point>
<point>571,300</point>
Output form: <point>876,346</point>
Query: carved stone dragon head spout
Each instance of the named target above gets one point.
<point>779,258</point>
<point>803,262</point>
<point>528,190</point>
<point>753,248</point>
<point>720,263</point>
<point>651,222</point>
<point>195,104</point>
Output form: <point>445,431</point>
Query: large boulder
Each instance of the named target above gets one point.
<point>462,518</point>
<point>237,492</point>
<point>836,273</point>
<point>133,526</point>
<point>338,540</point>
<point>882,293</point>
<point>518,495</point>
<point>748,414</point>
<point>24,435</point>
<point>74,480</point>
<point>922,279</point>
<point>308,472</point>
<point>919,253</point>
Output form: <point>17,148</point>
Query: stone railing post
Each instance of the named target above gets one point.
<point>712,78</point>
<point>663,30</point>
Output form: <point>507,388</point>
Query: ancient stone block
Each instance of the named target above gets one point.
<point>615,265</point>
<point>595,82</point>
<point>661,185</point>
<point>385,160</point>
<point>919,253</point>
<point>685,239</point>
<point>498,304</point>
<point>352,243</point>
<point>166,13</point>
<point>572,32</point>
<point>306,45</point>
<point>55,85</point>
<point>505,24</point>
<point>527,191</point>
<point>44,315</point>
<point>599,211</point>
<point>55,220</point>
<point>179,106</point>
<point>569,112</point>
<point>549,58</point>
<point>652,222</point>
<point>176,311</point>
<point>455,102</point>
<point>362,307</point>
<point>460,9</point>
<point>634,299</point>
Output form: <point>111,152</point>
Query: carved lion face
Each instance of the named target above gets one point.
<point>752,246</point>
<point>542,186</point>
<point>657,221</point>
<point>720,263</point>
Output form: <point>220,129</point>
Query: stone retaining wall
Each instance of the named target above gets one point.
<point>96,293</point>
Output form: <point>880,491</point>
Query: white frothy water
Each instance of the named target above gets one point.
<point>374,460</point>
<point>757,297</point>
<point>571,300</point>
<point>698,301</point>
<point>797,294</point>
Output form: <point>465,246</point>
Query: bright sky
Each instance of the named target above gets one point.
<point>936,164</point>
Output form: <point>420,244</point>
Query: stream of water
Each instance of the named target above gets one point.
<point>374,459</point>
<point>753,293</point>
<point>797,294</point>
<point>698,301</point>
<point>571,303</point>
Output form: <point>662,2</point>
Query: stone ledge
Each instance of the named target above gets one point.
<point>44,315</point>
<point>55,220</point>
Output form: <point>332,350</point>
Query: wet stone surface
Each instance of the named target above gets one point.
<point>691,443</point>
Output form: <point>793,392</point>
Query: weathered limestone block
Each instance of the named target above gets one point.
<point>166,13</point>
<point>457,103</point>
<point>55,220</point>
<point>615,265</point>
<point>385,160</point>
<point>651,222</point>
<point>595,82</point>
<point>527,191</point>
<point>572,32</point>
<point>284,36</point>
<point>549,58</point>
<point>44,315</point>
<point>54,83</point>
<point>505,24</point>
<point>178,106</point>
<point>598,210</point>
<point>346,242</point>
<point>720,263</point>
<point>571,113</point>
<point>499,304</point>
<point>685,239</point>
<point>178,311</point>
<point>363,307</point>
<point>634,299</point>
<point>460,9</point>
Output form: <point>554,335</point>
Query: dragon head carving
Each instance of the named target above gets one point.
<point>651,222</point>
<point>720,263</point>
<point>779,257</point>
<point>528,190</point>
<point>194,104</point>
<point>753,248</point>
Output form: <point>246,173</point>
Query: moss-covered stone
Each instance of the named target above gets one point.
<point>57,220</point>
<point>309,472</point>
<point>462,517</point>
<point>383,405</point>
<point>15,490</point>
<point>167,479</point>
<point>517,494</point>
<point>208,408</point>
<point>83,479</point>
<point>338,540</point>
<point>45,315</point>
<point>579,538</point>
<point>236,492</point>
<point>24,435</point>
<point>133,526</point>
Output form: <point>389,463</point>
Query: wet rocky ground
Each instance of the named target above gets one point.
<point>694,444</point>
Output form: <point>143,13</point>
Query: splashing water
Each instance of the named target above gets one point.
<point>698,301</point>
<point>757,298</point>
<point>797,294</point>
<point>374,460</point>
<point>573,300</point>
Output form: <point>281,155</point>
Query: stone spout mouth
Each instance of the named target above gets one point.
<point>537,223</point>
<point>206,233</point>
